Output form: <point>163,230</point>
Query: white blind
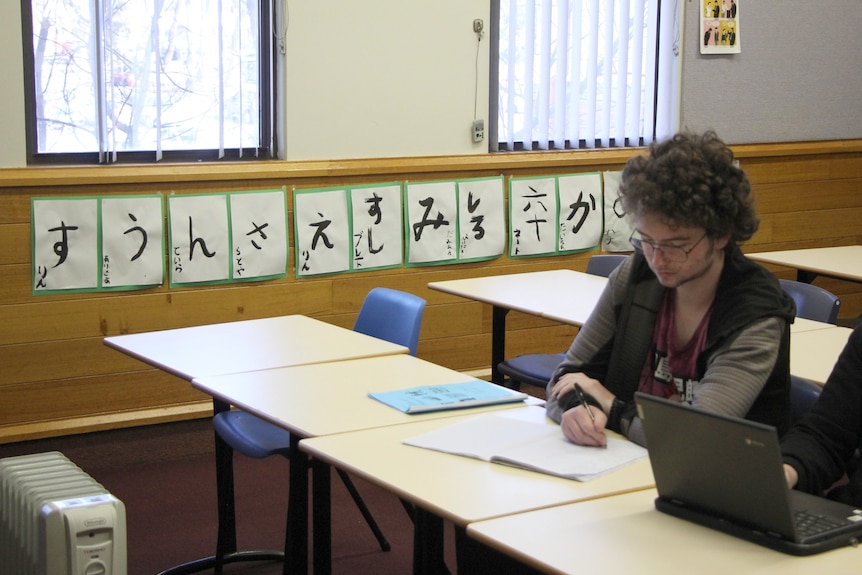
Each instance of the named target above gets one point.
<point>586,73</point>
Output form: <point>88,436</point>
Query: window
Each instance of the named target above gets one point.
<point>584,73</point>
<point>146,80</point>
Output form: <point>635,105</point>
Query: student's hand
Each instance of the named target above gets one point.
<point>791,476</point>
<point>579,427</point>
<point>592,387</point>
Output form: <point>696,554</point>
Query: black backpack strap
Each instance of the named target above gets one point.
<point>632,343</point>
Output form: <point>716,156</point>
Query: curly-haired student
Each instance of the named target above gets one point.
<point>687,316</point>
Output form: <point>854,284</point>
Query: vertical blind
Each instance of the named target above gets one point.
<point>587,73</point>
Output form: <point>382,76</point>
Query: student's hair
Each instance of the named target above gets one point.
<point>690,180</point>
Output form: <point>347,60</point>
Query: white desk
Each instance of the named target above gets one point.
<point>249,345</point>
<point>802,324</point>
<point>626,534</point>
<point>328,398</point>
<point>813,353</point>
<point>246,346</point>
<point>566,296</point>
<point>843,262</point>
<point>460,489</point>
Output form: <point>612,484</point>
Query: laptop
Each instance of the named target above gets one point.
<point>726,473</point>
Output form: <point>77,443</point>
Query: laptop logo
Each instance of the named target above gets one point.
<point>753,443</point>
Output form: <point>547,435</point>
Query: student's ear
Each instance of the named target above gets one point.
<point>722,241</point>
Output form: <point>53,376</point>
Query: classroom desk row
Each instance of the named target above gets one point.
<point>327,405</point>
<point>518,512</point>
<point>312,378</point>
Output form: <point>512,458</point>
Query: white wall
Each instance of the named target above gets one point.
<point>12,136</point>
<point>383,78</point>
<point>798,76</point>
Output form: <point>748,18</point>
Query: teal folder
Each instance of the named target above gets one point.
<point>426,398</point>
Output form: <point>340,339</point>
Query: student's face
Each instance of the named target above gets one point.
<point>673,267</point>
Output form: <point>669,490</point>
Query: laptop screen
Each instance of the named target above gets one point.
<point>727,466</point>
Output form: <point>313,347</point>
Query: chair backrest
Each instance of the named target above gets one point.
<point>803,394</point>
<point>812,302</point>
<point>604,264</point>
<point>393,315</point>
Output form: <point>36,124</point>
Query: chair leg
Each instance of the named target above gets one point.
<point>226,542</point>
<point>351,488</point>
<point>226,551</point>
<point>512,384</point>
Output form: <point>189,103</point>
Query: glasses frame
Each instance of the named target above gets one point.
<point>668,251</point>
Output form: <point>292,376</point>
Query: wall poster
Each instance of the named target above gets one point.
<point>719,27</point>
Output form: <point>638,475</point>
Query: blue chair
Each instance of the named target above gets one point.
<point>604,264</point>
<point>387,314</point>
<point>803,395</point>
<point>537,368</point>
<point>812,302</point>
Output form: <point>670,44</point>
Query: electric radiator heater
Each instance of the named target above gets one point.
<point>56,520</point>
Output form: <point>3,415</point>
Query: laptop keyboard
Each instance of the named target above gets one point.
<point>811,524</point>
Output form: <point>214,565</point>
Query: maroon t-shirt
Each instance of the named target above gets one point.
<point>670,369</point>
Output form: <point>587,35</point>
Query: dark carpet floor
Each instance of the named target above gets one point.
<point>165,476</point>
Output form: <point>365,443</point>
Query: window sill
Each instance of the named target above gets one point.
<point>438,166</point>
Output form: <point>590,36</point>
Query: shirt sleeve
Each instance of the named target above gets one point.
<point>737,371</point>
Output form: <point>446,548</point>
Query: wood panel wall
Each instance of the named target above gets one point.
<point>57,377</point>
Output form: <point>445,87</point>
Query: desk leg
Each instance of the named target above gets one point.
<point>805,276</point>
<point>296,535</point>
<point>428,543</point>
<point>498,342</point>
<point>322,515</point>
<point>474,557</point>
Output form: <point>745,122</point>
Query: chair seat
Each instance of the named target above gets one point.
<point>534,368</point>
<point>251,435</point>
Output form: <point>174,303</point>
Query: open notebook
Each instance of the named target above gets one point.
<point>525,438</point>
<point>726,473</point>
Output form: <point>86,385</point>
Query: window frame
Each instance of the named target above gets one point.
<point>266,150</point>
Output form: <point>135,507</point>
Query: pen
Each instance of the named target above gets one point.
<point>583,399</point>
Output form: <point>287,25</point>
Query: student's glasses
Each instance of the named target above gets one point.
<point>670,252</point>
